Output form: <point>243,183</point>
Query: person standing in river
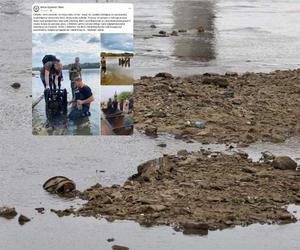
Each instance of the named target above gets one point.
<point>83,98</point>
<point>103,65</point>
<point>74,71</point>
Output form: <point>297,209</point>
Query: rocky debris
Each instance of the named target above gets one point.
<point>231,74</point>
<point>284,163</point>
<point>110,239</point>
<point>153,26</point>
<point>59,184</point>
<point>266,156</point>
<point>8,212</point>
<point>16,85</point>
<point>197,192</point>
<point>218,81</point>
<point>164,75</point>
<point>151,131</point>
<point>160,35</point>
<point>117,247</point>
<point>23,219</point>
<point>182,31</point>
<point>174,33</point>
<point>200,124</point>
<point>40,210</point>
<point>239,109</point>
<point>195,228</point>
<point>201,29</point>
<point>162,145</point>
<point>61,213</point>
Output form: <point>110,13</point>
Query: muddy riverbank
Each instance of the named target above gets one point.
<point>197,192</point>
<point>228,108</point>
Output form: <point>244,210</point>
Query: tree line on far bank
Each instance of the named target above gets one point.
<point>82,65</point>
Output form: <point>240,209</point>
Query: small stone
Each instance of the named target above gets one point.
<point>249,170</point>
<point>162,145</point>
<point>151,131</point>
<point>218,81</point>
<point>284,163</point>
<point>201,29</point>
<point>157,208</point>
<point>153,26</point>
<point>110,239</point>
<point>16,85</point>
<point>23,219</point>
<point>8,212</point>
<point>162,32</point>
<point>117,247</point>
<point>195,228</point>
<point>182,152</point>
<point>174,33</point>
<point>164,75</point>
<point>40,210</point>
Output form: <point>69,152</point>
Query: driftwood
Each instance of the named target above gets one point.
<point>36,102</point>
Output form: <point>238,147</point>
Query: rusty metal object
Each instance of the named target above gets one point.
<point>59,184</point>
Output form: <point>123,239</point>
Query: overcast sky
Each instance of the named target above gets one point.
<point>65,47</point>
<point>109,91</point>
<point>116,42</point>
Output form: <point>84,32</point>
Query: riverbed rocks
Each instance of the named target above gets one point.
<point>16,85</point>
<point>151,131</point>
<point>23,219</point>
<point>284,163</point>
<point>8,212</point>
<point>236,108</point>
<point>118,247</point>
<point>164,75</point>
<point>197,192</point>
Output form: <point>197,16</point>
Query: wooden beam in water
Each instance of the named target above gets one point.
<point>36,102</point>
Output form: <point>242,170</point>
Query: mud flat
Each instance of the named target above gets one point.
<point>197,192</point>
<point>233,108</point>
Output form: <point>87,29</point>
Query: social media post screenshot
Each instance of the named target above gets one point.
<point>78,51</point>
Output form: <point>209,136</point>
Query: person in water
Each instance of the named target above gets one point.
<point>103,65</point>
<point>74,71</point>
<point>52,75</point>
<point>130,105</point>
<point>83,98</point>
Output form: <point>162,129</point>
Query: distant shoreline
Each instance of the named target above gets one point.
<point>83,66</point>
<point>110,54</point>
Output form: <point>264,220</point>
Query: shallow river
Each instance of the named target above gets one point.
<point>243,35</point>
<point>61,124</point>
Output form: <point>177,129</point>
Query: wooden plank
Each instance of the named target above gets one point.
<point>36,102</point>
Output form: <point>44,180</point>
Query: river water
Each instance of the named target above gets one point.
<point>61,125</point>
<point>242,35</point>
<point>117,74</point>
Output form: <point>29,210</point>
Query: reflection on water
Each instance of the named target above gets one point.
<point>117,72</point>
<point>60,124</point>
<point>239,35</point>
<point>197,19</point>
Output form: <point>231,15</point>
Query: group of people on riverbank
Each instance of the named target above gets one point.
<point>52,76</point>
<point>113,105</point>
<point>124,62</point>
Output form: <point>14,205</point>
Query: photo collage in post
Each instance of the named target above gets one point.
<point>82,69</point>
<point>117,103</point>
